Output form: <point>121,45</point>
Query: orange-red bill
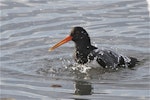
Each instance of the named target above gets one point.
<point>68,38</point>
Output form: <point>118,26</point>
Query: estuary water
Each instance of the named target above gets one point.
<point>29,27</point>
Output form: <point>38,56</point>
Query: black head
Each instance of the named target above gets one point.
<point>79,35</point>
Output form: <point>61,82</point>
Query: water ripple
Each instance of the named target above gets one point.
<point>30,27</point>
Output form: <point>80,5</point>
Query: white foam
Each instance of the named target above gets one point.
<point>82,68</point>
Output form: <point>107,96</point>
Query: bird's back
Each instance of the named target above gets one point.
<point>109,59</point>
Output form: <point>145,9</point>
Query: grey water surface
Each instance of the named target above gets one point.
<point>29,27</point>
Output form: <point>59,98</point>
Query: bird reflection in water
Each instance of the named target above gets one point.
<point>83,88</point>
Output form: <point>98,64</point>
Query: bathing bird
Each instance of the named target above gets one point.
<point>85,52</point>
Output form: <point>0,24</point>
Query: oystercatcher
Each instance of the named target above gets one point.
<point>85,52</point>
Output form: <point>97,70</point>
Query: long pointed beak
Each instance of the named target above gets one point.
<point>68,38</point>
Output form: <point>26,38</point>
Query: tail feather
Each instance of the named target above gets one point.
<point>133,62</point>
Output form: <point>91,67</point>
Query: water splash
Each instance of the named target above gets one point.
<point>81,68</point>
<point>94,44</point>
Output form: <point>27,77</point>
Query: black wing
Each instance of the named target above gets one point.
<point>107,58</point>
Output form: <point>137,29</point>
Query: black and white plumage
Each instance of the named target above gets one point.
<point>85,52</point>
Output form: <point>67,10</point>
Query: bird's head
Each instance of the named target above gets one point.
<point>77,34</point>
